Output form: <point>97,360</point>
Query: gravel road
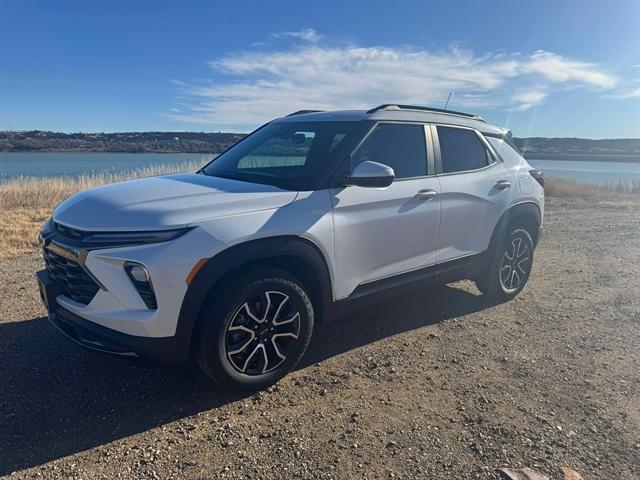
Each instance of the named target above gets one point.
<point>434,385</point>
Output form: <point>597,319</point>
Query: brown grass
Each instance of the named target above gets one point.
<point>25,203</point>
<point>558,187</point>
<point>565,193</point>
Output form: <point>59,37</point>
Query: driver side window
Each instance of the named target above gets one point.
<point>400,146</point>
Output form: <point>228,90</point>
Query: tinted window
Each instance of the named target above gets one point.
<point>402,147</point>
<point>286,154</point>
<point>461,150</point>
<point>280,151</point>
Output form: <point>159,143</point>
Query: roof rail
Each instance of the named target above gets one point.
<point>301,112</point>
<point>425,109</point>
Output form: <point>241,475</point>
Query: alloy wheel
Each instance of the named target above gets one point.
<point>515,264</point>
<point>262,333</point>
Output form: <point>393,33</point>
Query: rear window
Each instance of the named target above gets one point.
<point>461,149</point>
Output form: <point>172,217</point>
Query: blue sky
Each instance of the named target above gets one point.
<point>540,68</point>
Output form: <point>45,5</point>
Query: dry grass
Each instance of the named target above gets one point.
<point>565,193</point>
<point>558,187</point>
<point>25,203</point>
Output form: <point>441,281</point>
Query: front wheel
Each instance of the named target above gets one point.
<point>509,267</point>
<point>256,331</point>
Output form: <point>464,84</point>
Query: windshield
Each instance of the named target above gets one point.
<point>284,154</point>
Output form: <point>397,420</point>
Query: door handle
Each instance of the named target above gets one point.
<point>426,194</point>
<point>503,184</point>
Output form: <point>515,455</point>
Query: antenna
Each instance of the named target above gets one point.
<point>449,98</point>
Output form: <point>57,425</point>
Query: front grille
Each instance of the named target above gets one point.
<point>74,281</point>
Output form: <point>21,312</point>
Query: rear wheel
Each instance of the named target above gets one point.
<point>509,267</point>
<point>256,330</point>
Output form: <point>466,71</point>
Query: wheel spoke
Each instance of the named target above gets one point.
<point>511,250</point>
<point>524,272</point>
<point>505,272</point>
<point>517,243</point>
<point>514,274</point>
<point>243,347</point>
<point>277,350</point>
<point>265,357</point>
<point>251,355</point>
<point>248,311</point>
<point>295,317</point>
<point>240,328</point>
<point>522,249</point>
<point>279,309</point>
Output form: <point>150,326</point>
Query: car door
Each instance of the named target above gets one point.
<point>383,232</point>
<point>476,190</point>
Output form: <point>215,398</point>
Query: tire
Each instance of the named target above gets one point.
<point>256,330</point>
<point>509,267</point>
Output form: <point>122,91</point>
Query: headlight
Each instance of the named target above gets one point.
<point>132,238</point>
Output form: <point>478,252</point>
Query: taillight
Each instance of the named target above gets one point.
<point>538,175</point>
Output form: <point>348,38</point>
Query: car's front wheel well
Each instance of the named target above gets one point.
<point>293,265</point>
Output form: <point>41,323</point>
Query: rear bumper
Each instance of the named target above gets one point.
<point>162,352</point>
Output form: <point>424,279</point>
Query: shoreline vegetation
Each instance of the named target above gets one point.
<point>26,202</point>
<point>539,148</point>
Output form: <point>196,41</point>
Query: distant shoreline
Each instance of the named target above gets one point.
<point>564,157</point>
<point>206,143</point>
<point>583,157</point>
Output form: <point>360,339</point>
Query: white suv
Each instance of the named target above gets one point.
<point>308,217</point>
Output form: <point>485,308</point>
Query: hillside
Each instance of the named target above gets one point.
<point>134,142</point>
<point>542,147</point>
<point>627,149</point>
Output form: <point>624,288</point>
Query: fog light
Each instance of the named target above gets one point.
<point>141,280</point>
<point>139,273</point>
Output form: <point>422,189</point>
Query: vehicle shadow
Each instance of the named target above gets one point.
<point>57,399</point>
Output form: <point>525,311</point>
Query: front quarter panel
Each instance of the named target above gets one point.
<point>120,308</point>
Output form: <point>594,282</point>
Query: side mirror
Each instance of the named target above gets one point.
<point>370,174</point>
<point>299,138</point>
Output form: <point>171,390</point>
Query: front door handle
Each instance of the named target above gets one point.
<point>503,184</point>
<point>426,194</point>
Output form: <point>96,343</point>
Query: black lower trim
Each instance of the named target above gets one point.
<point>373,293</point>
<point>163,352</point>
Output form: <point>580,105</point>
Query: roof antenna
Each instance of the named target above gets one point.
<point>449,98</point>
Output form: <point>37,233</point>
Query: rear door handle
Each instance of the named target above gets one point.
<point>426,194</point>
<point>503,184</point>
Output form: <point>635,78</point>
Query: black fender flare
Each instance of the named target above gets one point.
<point>526,212</point>
<point>303,255</point>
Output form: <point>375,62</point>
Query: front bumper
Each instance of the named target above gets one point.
<point>162,351</point>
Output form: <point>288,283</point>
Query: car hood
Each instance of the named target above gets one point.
<point>168,201</point>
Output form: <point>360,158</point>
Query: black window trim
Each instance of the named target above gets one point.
<point>429,147</point>
<point>438,155</point>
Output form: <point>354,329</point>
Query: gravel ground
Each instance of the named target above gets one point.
<point>440,385</point>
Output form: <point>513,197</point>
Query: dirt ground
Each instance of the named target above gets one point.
<point>434,385</point>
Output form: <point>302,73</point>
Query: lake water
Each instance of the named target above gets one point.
<point>13,165</point>
<point>596,173</point>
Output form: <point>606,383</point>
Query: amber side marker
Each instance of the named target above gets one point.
<point>196,268</point>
